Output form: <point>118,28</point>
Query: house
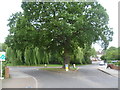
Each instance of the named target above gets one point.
<point>97,57</point>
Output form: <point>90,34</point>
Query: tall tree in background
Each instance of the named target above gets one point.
<point>111,53</point>
<point>61,27</point>
<point>3,47</point>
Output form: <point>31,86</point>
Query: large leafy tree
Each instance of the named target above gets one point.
<point>61,27</point>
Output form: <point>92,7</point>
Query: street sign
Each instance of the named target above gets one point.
<point>2,56</point>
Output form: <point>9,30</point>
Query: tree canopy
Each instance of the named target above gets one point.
<point>111,53</point>
<point>59,27</point>
<point>3,47</point>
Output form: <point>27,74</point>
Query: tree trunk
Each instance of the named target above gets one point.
<point>66,59</point>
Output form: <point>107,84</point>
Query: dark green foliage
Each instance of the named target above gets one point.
<point>45,28</point>
<point>56,58</point>
<point>3,47</point>
<point>103,57</point>
<point>87,53</point>
<point>11,56</point>
<point>111,53</point>
<point>77,57</point>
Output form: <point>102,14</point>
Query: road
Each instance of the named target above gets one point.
<point>86,77</point>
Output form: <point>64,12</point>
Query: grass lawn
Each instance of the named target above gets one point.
<point>41,65</point>
<point>58,69</point>
<point>53,69</point>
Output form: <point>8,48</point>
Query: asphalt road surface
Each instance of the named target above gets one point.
<point>86,77</point>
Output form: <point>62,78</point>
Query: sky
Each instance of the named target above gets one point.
<point>12,6</point>
<point>111,7</point>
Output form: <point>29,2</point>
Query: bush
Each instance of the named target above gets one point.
<point>103,57</point>
<point>4,64</point>
<point>117,63</point>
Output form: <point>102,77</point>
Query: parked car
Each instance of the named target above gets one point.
<point>114,61</point>
<point>101,63</point>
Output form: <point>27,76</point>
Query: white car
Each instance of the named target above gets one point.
<point>101,63</point>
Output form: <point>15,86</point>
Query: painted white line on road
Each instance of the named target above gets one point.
<point>35,81</point>
<point>19,74</point>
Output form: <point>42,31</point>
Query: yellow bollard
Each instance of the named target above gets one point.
<point>66,67</point>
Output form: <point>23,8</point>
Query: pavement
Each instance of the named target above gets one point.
<point>21,80</point>
<point>109,71</point>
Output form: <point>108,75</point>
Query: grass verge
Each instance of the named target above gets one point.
<point>58,69</point>
<point>40,65</point>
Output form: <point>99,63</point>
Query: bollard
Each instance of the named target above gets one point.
<point>66,67</point>
<point>74,66</point>
<point>7,75</point>
<point>45,65</point>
